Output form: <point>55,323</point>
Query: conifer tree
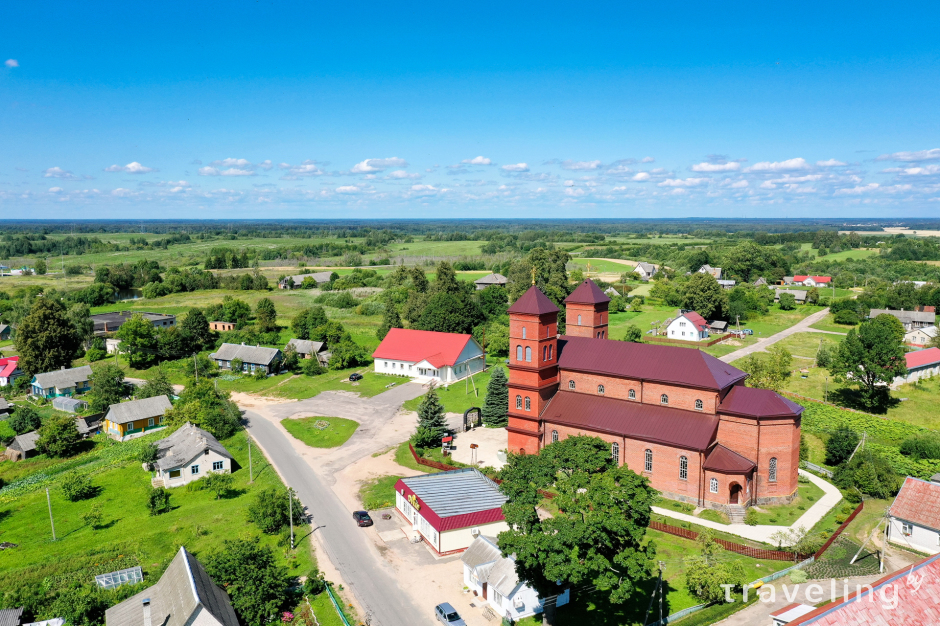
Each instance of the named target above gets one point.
<point>497,400</point>
<point>390,320</point>
<point>431,422</point>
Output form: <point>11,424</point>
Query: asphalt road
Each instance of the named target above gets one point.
<point>371,579</point>
<point>800,327</point>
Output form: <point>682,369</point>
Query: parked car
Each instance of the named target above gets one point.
<point>355,376</point>
<point>362,518</point>
<point>747,331</point>
<point>446,614</point>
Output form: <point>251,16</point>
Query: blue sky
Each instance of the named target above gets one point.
<point>264,109</point>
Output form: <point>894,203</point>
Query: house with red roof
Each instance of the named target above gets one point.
<point>920,364</point>
<point>679,417</point>
<point>428,355</point>
<point>448,510</point>
<point>813,281</point>
<point>688,326</point>
<point>914,516</point>
<point>9,370</point>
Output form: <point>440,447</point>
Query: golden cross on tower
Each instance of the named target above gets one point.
<point>533,275</point>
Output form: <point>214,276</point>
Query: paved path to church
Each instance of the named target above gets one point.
<point>764,533</point>
<point>800,327</point>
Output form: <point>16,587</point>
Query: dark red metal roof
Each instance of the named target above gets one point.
<point>690,430</point>
<point>726,461</point>
<point>751,402</point>
<point>587,293</point>
<point>648,362</point>
<point>533,302</point>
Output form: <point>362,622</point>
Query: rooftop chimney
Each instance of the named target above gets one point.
<point>146,605</point>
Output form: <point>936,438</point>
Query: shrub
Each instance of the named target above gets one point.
<point>849,318</point>
<point>750,518</point>
<point>271,510</point>
<point>95,354</point>
<point>840,445</point>
<point>24,419</point>
<point>237,365</point>
<point>259,374</point>
<point>92,517</point>
<point>148,454</point>
<point>311,367</point>
<point>158,500</point>
<point>76,486</point>
<point>924,446</point>
<point>798,577</point>
<point>315,583</point>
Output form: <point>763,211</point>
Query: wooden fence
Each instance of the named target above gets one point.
<point>691,344</point>
<point>835,535</point>
<point>757,553</point>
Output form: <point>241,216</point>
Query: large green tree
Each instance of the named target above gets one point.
<point>158,385</point>
<point>195,331</point>
<point>138,341</point>
<point>871,356</point>
<point>80,316</point>
<point>107,386</point>
<point>390,319</point>
<point>446,279</point>
<point>597,537</point>
<point>58,436</point>
<point>496,404</point>
<point>770,370</point>
<point>705,296</point>
<point>206,407</point>
<point>550,275</point>
<point>252,576</point>
<point>431,421</point>
<point>840,445</point>
<point>24,419</point>
<point>45,338</point>
<point>305,322</point>
<point>266,315</point>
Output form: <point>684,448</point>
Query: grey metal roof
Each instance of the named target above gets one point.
<point>930,331</point>
<point>186,444</point>
<point>320,277</point>
<point>62,379</point>
<point>87,423</point>
<point>649,268</point>
<point>25,442</point>
<point>65,403</point>
<point>4,327</point>
<point>482,550</point>
<point>457,492</point>
<point>304,346</point>
<point>906,316</point>
<point>176,597</point>
<point>10,617</point>
<point>798,294</point>
<point>492,279</point>
<point>4,405</point>
<point>138,409</point>
<point>491,566</point>
<point>247,354</point>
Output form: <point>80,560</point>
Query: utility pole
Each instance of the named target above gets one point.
<point>51,521</point>
<point>660,593</point>
<point>251,471</point>
<point>290,500</point>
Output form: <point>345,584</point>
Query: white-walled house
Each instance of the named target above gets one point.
<point>688,326</point>
<point>920,337</point>
<point>920,364</point>
<point>189,454</point>
<point>492,577</point>
<point>914,516</point>
<point>443,357</point>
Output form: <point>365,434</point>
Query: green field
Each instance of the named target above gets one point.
<point>312,432</point>
<point>828,323</point>
<point>435,248</point>
<point>300,386</point>
<point>806,345</point>
<point>462,395</point>
<point>603,266</point>
<point>197,519</point>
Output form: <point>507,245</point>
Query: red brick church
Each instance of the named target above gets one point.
<point>678,416</point>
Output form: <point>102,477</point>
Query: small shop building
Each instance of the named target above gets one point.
<point>451,509</point>
<point>134,418</point>
<point>187,455</point>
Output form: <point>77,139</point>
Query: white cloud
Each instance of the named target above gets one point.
<point>619,169</point>
<point>790,165</point>
<point>243,163</point>
<point>857,191</point>
<point>831,163</point>
<point>574,192</point>
<point>236,171</point>
<point>480,160</point>
<point>647,160</point>
<point>131,168</point>
<point>402,175</point>
<point>741,184</point>
<point>294,172</point>
<point>641,177</point>
<point>516,167</point>
<point>208,171</point>
<point>716,167</point>
<point>348,189</point>
<point>266,165</point>
<point>377,165</point>
<point>580,165</point>
<point>11,63</point>
<point>920,155</point>
<point>120,192</point>
<point>423,188</point>
<point>56,190</point>
<point>927,170</point>
<point>58,172</point>
<point>688,182</point>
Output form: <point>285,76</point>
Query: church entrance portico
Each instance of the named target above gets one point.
<point>735,496</point>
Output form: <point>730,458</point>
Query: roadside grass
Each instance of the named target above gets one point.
<point>674,505</point>
<point>461,395</point>
<point>197,520</point>
<point>337,432</point>
<point>324,611</point>
<point>378,493</point>
<point>403,457</point>
<point>714,516</point>
<point>828,323</point>
<point>300,386</point>
<point>808,494</point>
<point>817,448</point>
<point>806,345</point>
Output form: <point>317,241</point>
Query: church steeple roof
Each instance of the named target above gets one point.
<point>533,302</point>
<point>587,293</point>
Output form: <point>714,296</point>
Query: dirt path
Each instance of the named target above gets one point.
<point>802,326</point>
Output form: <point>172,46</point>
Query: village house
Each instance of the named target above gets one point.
<point>708,269</point>
<point>187,455</point>
<point>910,319</point>
<point>450,509</point>
<point>760,282</point>
<point>185,594</point>
<point>492,576</point>
<point>920,364</point>
<point>310,350</point>
<point>920,337</point>
<point>646,271</point>
<point>294,282</point>
<point>112,322</point>
<point>812,281</point>
<point>253,358</point>
<point>798,294</point>
<point>129,419</point>
<point>490,279</point>
<point>727,284</point>
<point>64,382</point>
<point>717,326</point>
<point>22,447</point>
<point>914,516</point>
<point>222,326</point>
<point>88,425</point>
<point>9,370</point>
<point>5,332</point>
<point>688,326</point>
<point>5,408</point>
<point>680,417</point>
<point>428,355</point>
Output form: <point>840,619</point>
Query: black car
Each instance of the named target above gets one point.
<point>355,376</point>
<point>362,518</point>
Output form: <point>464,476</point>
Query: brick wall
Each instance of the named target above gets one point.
<point>679,397</point>
<point>593,320</point>
<point>780,439</point>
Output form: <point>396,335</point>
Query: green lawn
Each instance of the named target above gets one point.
<point>461,395</point>
<point>324,611</point>
<point>128,535</point>
<point>300,387</point>
<point>806,345</point>
<point>828,323</point>
<point>321,432</point>
<point>603,266</point>
<point>786,514</point>
<point>378,493</point>
<point>404,458</point>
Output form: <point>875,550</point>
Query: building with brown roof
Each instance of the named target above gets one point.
<point>914,516</point>
<point>680,417</point>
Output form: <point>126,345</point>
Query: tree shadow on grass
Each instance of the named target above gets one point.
<point>595,608</point>
<point>852,399</point>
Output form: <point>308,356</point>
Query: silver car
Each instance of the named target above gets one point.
<point>446,614</point>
